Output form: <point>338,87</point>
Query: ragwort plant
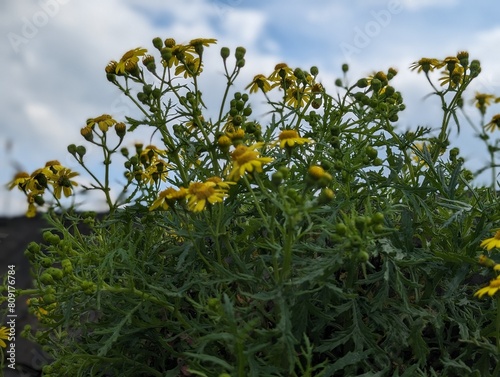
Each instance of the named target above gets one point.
<point>322,242</point>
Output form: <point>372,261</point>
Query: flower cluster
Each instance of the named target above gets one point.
<point>455,70</point>
<point>53,177</point>
<point>299,87</point>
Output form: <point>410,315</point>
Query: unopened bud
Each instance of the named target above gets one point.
<point>86,132</point>
<point>158,43</point>
<point>120,129</point>
<point>224,52</point>
<point>240,52</point>
<point>81,150</point>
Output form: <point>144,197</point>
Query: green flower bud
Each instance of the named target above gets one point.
<point>475,68</point>
<point>46,278</point>
<point>49,298</point>
<point>72,149</point>
<point>377,218</point>
<point>240,63</point>
<point>341,229</point>
<point>81,150</point>
<point>158,43</point>
<point>285,172</point>
<point>298,73</point>
<point>326,196</point>
<point>362,83</point>
<point>371,152</point>
<point>240,53</point>
<point>345,67</point>
<point>389,91</point>
<point>120,129</point>
<point>46,262</point>
<point>314,71</point>
<point>338,82</point>
<point>376,84</point>
<point>33,247</point>
<point>166,53</point>
<point>225,52</point>
<point>363,256</point>
<point>277,178</point>
<point>67,267</point>
<point>39,200</point>
<point>247,111</point>
<point>56,273</point>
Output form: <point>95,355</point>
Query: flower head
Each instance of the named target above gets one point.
<point>62,183</point>
<point>4,335</point>
<point>246,159</point>
<point>259,82</point>
<point>281,71</point>
<point>198,44</point>
<point>490,289</point>
<point>494,123</point>
<point>426,65</point>
<point>297,96</point>
<point>493,242</point>
<point>168,197</point>
<point>290,138</point>
<point>20,180</point>
<point>482,101</point>
<point>103,121</point>
<point>129,59</point>
<point>199,193</point>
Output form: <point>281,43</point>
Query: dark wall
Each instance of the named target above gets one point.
<point>15,234</point>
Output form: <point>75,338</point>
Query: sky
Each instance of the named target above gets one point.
<point>53,54</point>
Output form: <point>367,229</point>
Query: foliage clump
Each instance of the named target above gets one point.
<point>315,241</point>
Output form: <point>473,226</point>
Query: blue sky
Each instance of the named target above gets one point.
<point>53,53</point>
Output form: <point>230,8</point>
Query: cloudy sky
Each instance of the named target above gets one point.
<point>53,54</point>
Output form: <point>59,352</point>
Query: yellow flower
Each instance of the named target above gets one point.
<point>180,53</point>
<point>40,312</point>
<point>168,197</point>
<point>4,335</point>
<point>31,212</point>
<point>482,101</point>
<point>490,289</point>
<point>280,72</point>
<point>493,242</point>
<point>129,59</point>
<point>426,65</point>
<point>103,121</point>
<point>453,78</point>
<point>190,67</point>
<point>199,193</point>
<point>198,44</point>
<point>494,123</point>
<point>297,96</point>
<point>226,185</point>
<point>62,183</point>
<point>202,41</point>
<point>150,154</point>
<point>246,159</point>
<point>259,82</point>
<point>156,171</point>
<point>290,138</point>
<point>20,180</point>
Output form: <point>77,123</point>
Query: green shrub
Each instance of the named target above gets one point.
<point>320,242</point>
